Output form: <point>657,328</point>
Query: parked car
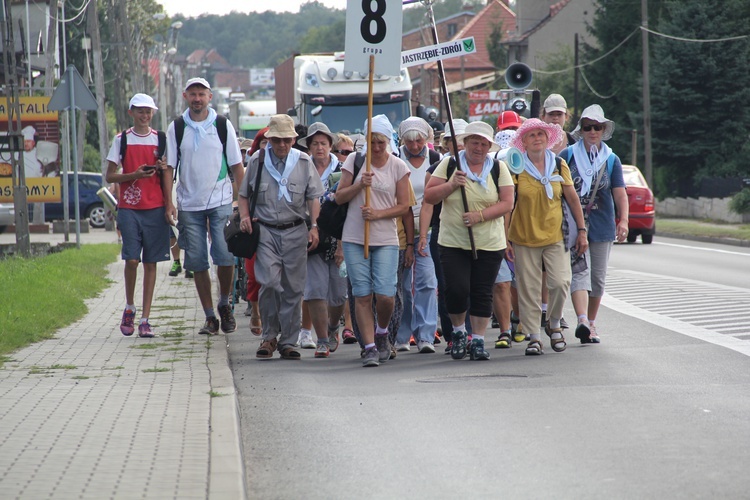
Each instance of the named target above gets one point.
<point>7,216</point>
<point>642,219</point>
<point>90,205</point>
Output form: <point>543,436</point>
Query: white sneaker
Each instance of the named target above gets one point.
<point>425,347</point>
<point>306,341</point>
<point>402,347</point>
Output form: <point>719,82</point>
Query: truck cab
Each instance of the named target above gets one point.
<point>318,89</point>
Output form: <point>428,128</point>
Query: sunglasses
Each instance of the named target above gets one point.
<point>587,128</point>
<point>345,152</point>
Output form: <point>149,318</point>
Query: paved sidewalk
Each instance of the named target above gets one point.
<point>94,414</point>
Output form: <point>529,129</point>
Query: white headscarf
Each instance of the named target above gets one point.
<point>382,125</point>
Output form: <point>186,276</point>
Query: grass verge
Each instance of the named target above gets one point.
<point>48,293</point>
<point>697,228</point>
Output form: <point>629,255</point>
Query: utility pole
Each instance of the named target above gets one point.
<point>574,118</point>
<point>646,96</point>
<point>96,50</point>
<point>18,179</point>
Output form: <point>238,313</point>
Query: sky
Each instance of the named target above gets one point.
<point>194,8</point>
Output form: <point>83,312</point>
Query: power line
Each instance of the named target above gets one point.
<point>695,40</point>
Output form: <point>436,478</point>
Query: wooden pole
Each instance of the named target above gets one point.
<point>368,155</point>
<point>449,115</point>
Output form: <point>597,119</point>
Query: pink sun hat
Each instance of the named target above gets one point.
<point>553,131</point>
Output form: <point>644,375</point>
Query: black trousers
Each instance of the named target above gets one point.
<point>469,282</point>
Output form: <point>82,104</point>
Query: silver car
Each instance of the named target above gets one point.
<point>7,215</point>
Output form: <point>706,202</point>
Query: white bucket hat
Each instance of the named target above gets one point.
<point>595,113</point>
<point>481,129</point>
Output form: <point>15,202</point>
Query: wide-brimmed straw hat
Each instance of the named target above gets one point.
<point>281,126</point>
<point>553,131</point>
<point>481,129</point>
<point>594,113</point>
<point>317,128</point>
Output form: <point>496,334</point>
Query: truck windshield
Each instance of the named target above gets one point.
<point>352,117</point>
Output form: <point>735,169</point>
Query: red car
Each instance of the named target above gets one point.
<point>641,201</point>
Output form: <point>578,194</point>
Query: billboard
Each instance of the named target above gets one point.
<point>487,103</point>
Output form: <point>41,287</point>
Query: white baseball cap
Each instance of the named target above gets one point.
<point>197,81</point>
<point>555,102</point>
<point>142,101</point>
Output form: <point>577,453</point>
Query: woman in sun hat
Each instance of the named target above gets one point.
<point>490,197</point>
<point>536,232</point>
<point>597,175</point>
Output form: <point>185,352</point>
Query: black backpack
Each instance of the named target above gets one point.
<point>332,215</point>
<point>221,128</point>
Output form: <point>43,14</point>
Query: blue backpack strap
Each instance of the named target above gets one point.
<point>610,164</point>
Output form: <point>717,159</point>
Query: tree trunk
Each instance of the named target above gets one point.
<point>96,48</point>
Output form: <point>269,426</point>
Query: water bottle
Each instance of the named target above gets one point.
<point>342,270</point>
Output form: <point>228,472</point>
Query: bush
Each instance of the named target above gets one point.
<point>741,202</point>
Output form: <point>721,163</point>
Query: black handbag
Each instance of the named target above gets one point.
<point>240,243</point>
<point>332,215</point>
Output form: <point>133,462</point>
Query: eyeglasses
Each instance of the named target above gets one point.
<point>285,140</point>
<point>345,152</point>
<point>597,127</point>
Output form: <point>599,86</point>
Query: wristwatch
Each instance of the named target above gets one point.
<point>314,226</point>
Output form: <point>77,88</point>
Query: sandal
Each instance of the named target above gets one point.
<point>534,348</point>
<point>348,336</point>
<point>503,341</point>
<point>266,349</point>
<point>290,353</point>
<point>518,335</point>
<point>255,326</point>
<point>558,345</point>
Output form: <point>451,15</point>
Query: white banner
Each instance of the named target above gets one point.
<point>424,55</point>
<point>373,28</point>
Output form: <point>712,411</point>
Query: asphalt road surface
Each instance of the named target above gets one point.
<point>659,409</point>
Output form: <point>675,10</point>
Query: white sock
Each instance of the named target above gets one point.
<point>304,332</point>
<point>582,318</point>
<point>477,337</point>
<point>130,307</point>
<point>554,322</point>
<point>544,308</point>
<point>381,331</point>
<point>460,328</point>
<point>144,320</point>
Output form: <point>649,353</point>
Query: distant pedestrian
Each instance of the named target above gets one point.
<point>555,110</point>
<point>141,211</point>
<point>204,197</point>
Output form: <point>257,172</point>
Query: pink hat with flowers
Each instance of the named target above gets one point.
<point>553,131</point>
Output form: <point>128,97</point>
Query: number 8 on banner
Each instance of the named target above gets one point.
<point>373,27</point>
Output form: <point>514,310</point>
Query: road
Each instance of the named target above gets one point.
<point>658,410</point>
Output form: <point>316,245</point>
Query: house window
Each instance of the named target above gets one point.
<point>452,30</point>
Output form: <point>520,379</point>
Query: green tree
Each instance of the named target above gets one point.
<point>324,38</point>
<point>700,123</point>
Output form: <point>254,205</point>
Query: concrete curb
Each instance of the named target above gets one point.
<point>227,472</point>
<point>705,239</point>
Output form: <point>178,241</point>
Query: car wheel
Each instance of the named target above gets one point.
<point>96,215</point>
<point>647,238</point>
<point>631,237</point>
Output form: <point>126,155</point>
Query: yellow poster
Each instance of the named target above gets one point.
<point>32,109</point>
<point>38,190</point>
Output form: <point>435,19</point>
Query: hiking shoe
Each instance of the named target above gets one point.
<point>305,340</point>
<point>322,351</point>
<point>333,339</point>
<point>211,327</point>
<point>504,341</point>
<point>402,346</point>
<point>583,332</point>
<point>249,310</point>
<point>477,352</point>
<point>189,274</point>
<point>425,347</point>
<point>437,337</point>
<point>144,331</point>
<point>564,324</point>
<point>348,336</point>
<point>458,349</point>
<point>544,318</point>
<point>412,341</point>
<point>594,337</point>
<point>494,322</point>
<point>228,324</point>
<point>371,357</point>
<point>126,325</point>
<point>448,348</point>
<point>176,269</point>
<point>383,345</point>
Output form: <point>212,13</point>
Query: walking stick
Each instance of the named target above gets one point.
<point>368,155</point>
<point>444,89</point>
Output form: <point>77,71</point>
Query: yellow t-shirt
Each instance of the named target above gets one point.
<point>537,220</point>
<point>488,235</point>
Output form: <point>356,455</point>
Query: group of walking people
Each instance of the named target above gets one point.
<point>428,239</point>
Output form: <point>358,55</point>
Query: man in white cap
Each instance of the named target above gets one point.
<point>287,197</point>
<point>31,165</point>
<point>204,196</point>
<point>141,213</point>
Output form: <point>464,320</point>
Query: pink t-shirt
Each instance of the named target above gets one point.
<point>382,195</point>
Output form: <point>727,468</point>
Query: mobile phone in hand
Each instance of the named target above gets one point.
<point>149,168</point>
